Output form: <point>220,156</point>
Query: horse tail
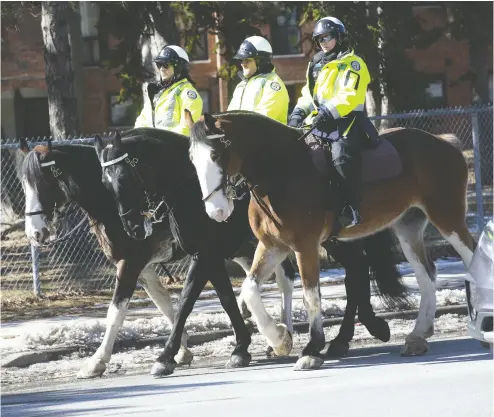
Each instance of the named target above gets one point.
<point>452,139</point>
<point>385,277</point>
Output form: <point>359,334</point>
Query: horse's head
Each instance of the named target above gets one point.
<point>47,186</point>
<point>215,157</point>
<point>128,181</point>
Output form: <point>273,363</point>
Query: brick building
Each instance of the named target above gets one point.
<point>24,97</point>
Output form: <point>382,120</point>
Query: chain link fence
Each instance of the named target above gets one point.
<point>78,263</point>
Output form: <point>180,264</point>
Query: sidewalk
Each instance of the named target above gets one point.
<point>450,276</point>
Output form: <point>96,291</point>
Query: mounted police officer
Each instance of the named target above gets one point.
<point>333,101</point>
<point>174,93</point>
<point>261,89</point>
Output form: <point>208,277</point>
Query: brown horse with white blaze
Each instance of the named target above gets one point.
<point>288,211</point>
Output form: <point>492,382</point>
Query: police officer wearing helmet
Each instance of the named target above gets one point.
<point>174,93</point>
<point>261,89</point>
<point>333,101</point>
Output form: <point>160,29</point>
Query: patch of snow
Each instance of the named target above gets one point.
<point>141,360</point>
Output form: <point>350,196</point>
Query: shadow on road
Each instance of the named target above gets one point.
<point>84,401</point>
<point>32,405</point>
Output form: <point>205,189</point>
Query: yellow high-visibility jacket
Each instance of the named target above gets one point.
<point>169,108</point>
<point>265,94</point>
<point>341,87</point>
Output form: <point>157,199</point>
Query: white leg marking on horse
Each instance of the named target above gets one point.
<point>210,175</point>
<point>96,364</point>
<point>265,323</point>
<point>161,297</point>
<point>244,262</point>
<point>285,286</point>
<point>427,286</point>
<point>37,222</point>
<point>460,247</point>
<point>313,306</point>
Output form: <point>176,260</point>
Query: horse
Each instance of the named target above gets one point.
<point>156,162</point>
<point>288,211</point>
<point>55,176</point>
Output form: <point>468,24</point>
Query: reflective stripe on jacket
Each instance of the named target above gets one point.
<point>169,107</point>
<point>341,87</point>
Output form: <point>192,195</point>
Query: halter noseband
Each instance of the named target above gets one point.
<point>151,212</point>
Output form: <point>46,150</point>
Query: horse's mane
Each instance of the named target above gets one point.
<point>32,170</point>
<point>199,129</point>
<point>150,135</point>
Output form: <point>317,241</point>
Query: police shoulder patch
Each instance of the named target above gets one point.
<point>275,86</point>
<point>355,65</point>
<point>191,94</point>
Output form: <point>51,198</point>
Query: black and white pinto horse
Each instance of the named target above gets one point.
<point>55,176</point>
<point>152,164</point>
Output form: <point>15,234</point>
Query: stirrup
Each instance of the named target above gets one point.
<point>349,217</point>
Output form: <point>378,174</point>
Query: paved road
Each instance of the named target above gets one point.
<point>454,380</point>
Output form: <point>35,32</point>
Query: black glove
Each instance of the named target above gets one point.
<point>295,121</point>
<point>323,116</point>
<point>297,117</point>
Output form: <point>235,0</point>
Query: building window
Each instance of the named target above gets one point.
<point>205,100</point>
<point>285,33</point>
<point>434,94</point>
<point>122,114</point>
<point>200,50</point>
<point>90,15</point>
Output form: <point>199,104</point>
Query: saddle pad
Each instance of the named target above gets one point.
<point>380,163</point>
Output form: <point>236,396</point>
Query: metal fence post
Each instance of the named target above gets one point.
<point>478,176</point>
<point>35,264</point>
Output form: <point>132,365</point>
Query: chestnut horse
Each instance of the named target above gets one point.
<point>288,210</point>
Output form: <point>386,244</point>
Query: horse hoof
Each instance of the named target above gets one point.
<point>306,363</point>
<point>239,360</point>
<point>379,328</point>
<point>91,369</point>
<point>184,357</point>
<point>415,346</point>
<point>159,370</point>
<point>285,347</point>
<point>337,349</point>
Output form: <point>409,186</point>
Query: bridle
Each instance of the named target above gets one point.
<point>227,183</point>
<point>56,173</point>
<point>153,207</point>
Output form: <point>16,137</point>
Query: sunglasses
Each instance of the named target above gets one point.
<point>163,65</point>
<point>325,38</point>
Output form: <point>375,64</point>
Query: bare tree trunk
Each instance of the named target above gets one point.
<point>384,104</point>
<point>76,42</point>
<point>62,103</point>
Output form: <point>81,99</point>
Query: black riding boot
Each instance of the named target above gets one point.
<point>350,177</point>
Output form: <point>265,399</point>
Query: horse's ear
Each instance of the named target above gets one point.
<point>23,145</point>
<point>49,145</point>
<point>117,141</point>
<point>189,121</point>
<point>211,122</point>
<point>98,144</point>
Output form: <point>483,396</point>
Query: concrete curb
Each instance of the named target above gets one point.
<point>24,359</point>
